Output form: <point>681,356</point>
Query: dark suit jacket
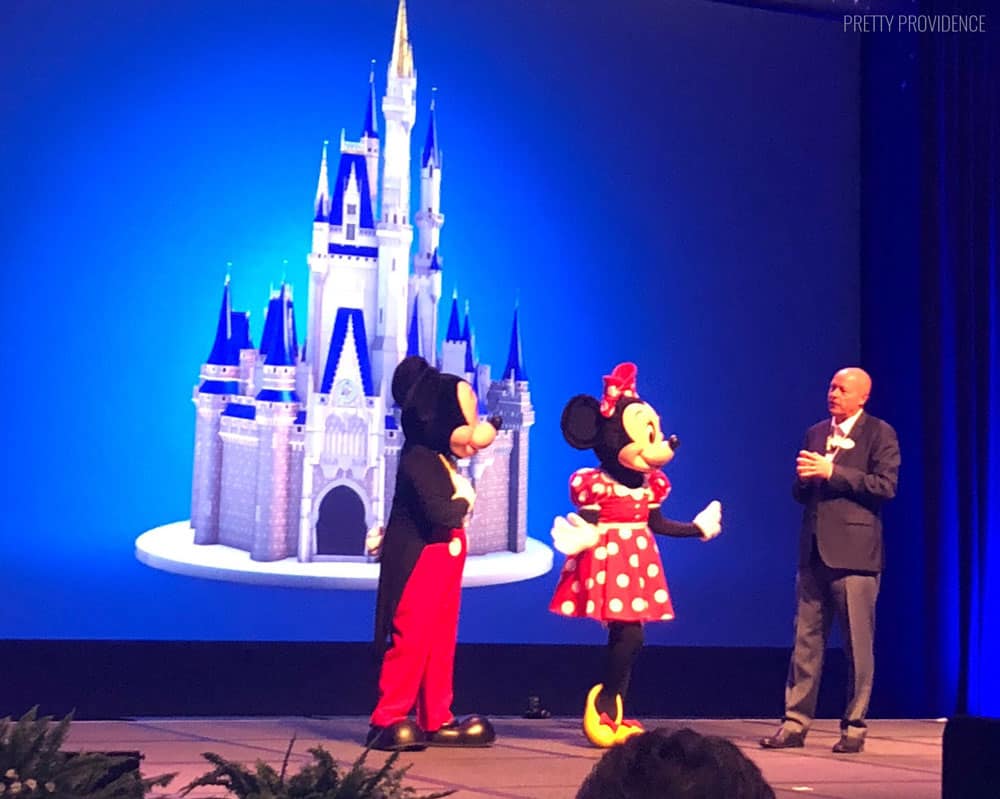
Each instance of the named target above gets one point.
<point>844,513</point>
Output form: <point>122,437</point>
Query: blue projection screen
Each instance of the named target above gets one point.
<point>674,184</point>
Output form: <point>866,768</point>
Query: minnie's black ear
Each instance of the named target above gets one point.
<point>581,421</point>
<point>406,376</point>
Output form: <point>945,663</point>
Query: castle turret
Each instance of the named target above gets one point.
<point>425,284</point>
<point>510,398</point>
<point>220,380</point>
<point>454,347</point>
<point>278,473</point>
<point>395,234</point>
<point>370,141</point>
<point>343,267</point>
<point>319,263</point>
<point>429,218</point>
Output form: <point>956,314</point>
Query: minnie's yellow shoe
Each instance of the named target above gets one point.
<point>600,729</point>
<point>626,729</point>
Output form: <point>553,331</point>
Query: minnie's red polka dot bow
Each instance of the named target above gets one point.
<point>620,383</point>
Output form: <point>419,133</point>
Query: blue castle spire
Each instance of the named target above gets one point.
<point>454,330</point>
<point>225,351</point>
<point>435,264</point>
<point>278,343</point>
<point>515,361</point>
<point>413,337</point>
<point>371,113</point>
<point>432,156</point>
<point>470,361</point>
<point>240,321</point>
<point>322,201</point>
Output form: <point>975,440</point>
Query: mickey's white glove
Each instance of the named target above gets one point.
<point>463,489</point>
<point>373,541</point>
<point>709,521</point>
<point>573,534</point>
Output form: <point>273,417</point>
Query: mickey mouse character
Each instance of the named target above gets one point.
<point>422,554</point>
<point>613,571</point>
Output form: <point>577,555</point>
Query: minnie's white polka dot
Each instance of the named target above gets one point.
<point>633,561</point>
<point>653,570</point>
<point>612,548</point>
<point>661,596</point>
<point>455,547</point>
<point>667,616</point>
<point>590,606</point>
<point>625,534</point>
<point>622,580</point>
<point>600,553</point>
<point>575,587</point>
<point>638,604</point>
<point>602,578</point>
<point>642,582</point>
<point>582,497</point>
<point>576,481</point>
<point>570,565</point>
<point>641,542</point>
<point>615,605</point>
<point>567,607</point>
<point>590,583</point>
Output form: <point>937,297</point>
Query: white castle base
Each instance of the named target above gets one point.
<point>171,548</point>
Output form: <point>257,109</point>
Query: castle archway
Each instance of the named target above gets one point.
<point>340,524</point>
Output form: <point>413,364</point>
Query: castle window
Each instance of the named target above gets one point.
<point>350,232</point>
<point>352,209</point>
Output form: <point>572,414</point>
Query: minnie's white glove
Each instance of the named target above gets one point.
<point>709,521</point>
<point>373,541</point>
<point>573,534</point>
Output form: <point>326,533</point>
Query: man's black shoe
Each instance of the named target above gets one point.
<point>849,745</point>
<point>784,739</point>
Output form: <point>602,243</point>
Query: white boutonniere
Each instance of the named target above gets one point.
<point>840,442</point>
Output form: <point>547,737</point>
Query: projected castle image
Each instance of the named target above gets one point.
<point>296,445</point>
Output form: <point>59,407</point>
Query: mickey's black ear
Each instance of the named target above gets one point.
<point>409,371</point>
<point>581,421</point>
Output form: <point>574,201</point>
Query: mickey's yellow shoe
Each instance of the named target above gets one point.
<point>600,729</point>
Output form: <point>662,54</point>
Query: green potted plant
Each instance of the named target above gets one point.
<point>33,765</point>
<point>319,779</point>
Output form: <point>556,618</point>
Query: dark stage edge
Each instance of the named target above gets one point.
<point>117,679</point>
<point>545,759</point>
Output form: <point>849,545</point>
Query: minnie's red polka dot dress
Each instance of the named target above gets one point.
<point>621,577</point>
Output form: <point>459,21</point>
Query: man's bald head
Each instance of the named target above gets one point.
<point>848,392</point>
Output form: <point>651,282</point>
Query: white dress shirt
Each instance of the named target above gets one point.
<point>838,432</point>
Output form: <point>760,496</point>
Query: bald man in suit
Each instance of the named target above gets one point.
<point>847,469</point>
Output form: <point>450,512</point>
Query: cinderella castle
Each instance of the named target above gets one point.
<point>296,446</point>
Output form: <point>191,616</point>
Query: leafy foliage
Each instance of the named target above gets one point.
<point>33,765</point>
<point>319,779</point>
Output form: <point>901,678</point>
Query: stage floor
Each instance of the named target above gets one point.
<point>531,759</point>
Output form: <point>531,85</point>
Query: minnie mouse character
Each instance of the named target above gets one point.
<point>613,571</point>
<point>422,554</point>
